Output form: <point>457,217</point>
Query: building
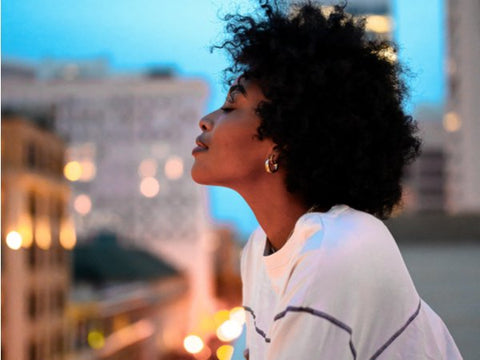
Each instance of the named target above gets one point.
<point>462,117</point>
<point>37,236</point>
<point>377,15</point>
<point>128,161</point>
<point>226,264</point>
<point>424,185</point>
<point>126,303</point>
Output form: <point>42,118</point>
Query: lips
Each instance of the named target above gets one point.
<point>201,146</point>
<point>200,143</point>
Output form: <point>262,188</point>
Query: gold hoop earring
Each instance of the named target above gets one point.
<point>271,165</point>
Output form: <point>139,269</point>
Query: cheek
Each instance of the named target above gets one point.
<point>236,136</point>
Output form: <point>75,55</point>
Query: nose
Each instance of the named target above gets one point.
<point>206,122</point>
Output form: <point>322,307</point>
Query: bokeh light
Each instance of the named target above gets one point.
<point>73,171</point>
<point>25,230</point>
<point>148,168</point>
<point>193,344</point>
<point>378,23</point>
<point>149,187</point>
<point>220,317</point>
<point>229,330</point>
<point>225,352</point>
<point>43,236</point>
<point>82,204</point>
<point>96,339</point>
<point>174,168</point>
<point>88,170</point>
<point>14,240</point>
<point>237,314</point>
<point>68,238</point>
<point>451,122</point>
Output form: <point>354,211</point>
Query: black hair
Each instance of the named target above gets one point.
<point>334,103</point>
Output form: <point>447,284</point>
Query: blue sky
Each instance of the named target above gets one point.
<point>420,35</point>
<point>134,35</point>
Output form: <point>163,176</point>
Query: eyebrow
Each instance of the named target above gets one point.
<point>236,88</point>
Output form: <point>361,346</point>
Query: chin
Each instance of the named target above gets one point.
<point>198,176</point>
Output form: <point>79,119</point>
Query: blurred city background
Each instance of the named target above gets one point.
<point>110,251</point>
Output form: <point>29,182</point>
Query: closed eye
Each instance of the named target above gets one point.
<point>226,109</point>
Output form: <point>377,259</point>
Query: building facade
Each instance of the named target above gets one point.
<point>37,237</point>
<point>462,117</point>
<point>128,161</point>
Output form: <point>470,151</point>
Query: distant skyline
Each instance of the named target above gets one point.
<point>148,33</point>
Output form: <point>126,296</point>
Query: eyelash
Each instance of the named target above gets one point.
<point>225,109</point>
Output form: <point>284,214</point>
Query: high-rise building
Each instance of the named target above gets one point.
<point>462,118</point>
<point>36,238</point>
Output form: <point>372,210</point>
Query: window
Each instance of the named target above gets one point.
<point>61,300</point>
<point>32,352</point>
<point>30,158</point>
<point>32,306</point>
<point>32,253</point>
<point>60,251</point>
<point>32,204</point>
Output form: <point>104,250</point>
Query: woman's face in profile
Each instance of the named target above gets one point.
<point>229,152</point>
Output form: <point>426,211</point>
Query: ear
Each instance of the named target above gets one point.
<point>274,150</point>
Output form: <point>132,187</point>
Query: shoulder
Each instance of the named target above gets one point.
<point>346,232</point>
<point>353,257</point>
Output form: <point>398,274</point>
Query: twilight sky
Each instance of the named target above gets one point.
<point>133,36</point>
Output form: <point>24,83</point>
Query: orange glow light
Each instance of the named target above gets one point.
<point>43,236</point>
<point>25,230</point>
<point>220,317</point>
<point>379,24</point>
<point>73,171</point>
<point>68,238</point>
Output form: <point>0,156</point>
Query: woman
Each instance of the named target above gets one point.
<point>313,136</point>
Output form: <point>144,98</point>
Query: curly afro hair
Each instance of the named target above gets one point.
<point>334,104</point>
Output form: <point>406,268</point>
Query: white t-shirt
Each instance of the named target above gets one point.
<point>338,289</point>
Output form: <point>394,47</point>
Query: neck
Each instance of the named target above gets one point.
<point>275,208</point>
